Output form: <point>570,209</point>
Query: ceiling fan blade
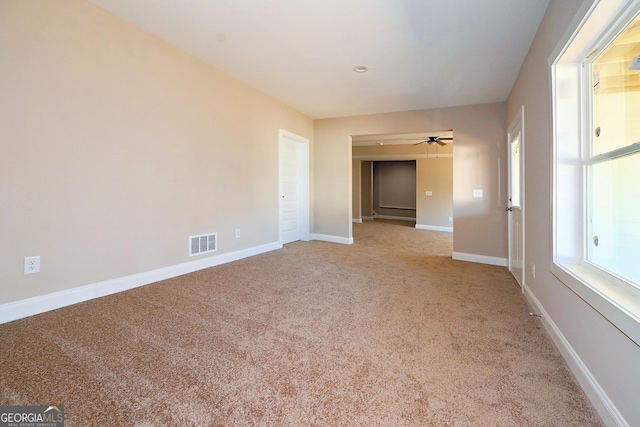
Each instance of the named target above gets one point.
<point>446,139</point>
<point>440,142</point>
<point>421,142</point>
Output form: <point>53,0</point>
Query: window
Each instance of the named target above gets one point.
<point>596,160</point>
<point>612,157</point>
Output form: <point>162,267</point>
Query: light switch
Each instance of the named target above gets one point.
<point>428,193</point>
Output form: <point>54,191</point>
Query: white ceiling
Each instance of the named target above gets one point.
<point>420,53</point>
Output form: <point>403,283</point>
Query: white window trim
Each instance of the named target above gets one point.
<point>617,301</point>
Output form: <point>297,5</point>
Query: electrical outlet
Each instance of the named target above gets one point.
<point>450,219</point>
<point>428,193</point>
<point>237,233</point>
<point>32,265</point>
<point>477,192</point>
<point>533,270</point>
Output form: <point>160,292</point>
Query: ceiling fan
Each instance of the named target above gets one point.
<point>433,140</point>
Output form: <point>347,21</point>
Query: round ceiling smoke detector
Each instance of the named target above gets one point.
<point>360,69</point>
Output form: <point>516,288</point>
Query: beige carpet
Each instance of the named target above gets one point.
<point>386,332</point>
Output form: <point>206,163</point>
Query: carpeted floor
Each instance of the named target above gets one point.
<point>386,332</point>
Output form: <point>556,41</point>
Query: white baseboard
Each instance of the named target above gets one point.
<point>481,259</point>
<point>596,395</point>
<point>332,239</point>
<point>434,228</point>
<point>398,218</point>
<point>40,304</point>
<point>357,220</point>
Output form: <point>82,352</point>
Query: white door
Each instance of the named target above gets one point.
<point>515,207</point>
<point>294,188</point>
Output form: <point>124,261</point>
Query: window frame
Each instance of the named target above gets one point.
<point>593,28</point>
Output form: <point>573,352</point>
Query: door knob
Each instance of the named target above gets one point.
<point>509,209</point>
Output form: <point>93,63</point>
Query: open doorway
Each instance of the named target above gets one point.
<point>431,204</point>
<point>394,190</point>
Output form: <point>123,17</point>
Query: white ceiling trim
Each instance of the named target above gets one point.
<point>398,138</point>
<point>382,157</point>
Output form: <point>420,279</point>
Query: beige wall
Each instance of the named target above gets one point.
<point>434,172</point>
<point>394,186</point>
<point>435,175</point>
<point>400,151</point>
<point>479,163</point>
<point>357,190</point>
<point>366,188</point>
<point>611,357</point>
<point>116,147</point>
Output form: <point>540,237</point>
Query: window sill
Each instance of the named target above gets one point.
<point>618,304</point>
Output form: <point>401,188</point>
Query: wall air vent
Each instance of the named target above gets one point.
<point>203,244</point>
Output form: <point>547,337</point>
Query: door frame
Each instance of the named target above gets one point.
<point>517,124</point>
<point>302,144</point>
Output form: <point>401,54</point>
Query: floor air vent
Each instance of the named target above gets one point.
<point>203,244</point>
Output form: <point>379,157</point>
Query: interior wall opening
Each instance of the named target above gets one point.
<point>427,199</point>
